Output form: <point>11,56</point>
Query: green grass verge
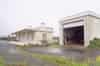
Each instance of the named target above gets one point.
<point>1,61</point>
<point>62,61</point>
<point>59,61</point>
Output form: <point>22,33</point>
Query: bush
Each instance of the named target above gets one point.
<point>95,43</point>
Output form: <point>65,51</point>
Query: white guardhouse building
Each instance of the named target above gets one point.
<point>79,29</point>
<point>37,36</point>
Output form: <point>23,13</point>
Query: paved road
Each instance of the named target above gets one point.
<point>12,55</point>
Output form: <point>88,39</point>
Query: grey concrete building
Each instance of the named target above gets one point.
<point>79,29</point>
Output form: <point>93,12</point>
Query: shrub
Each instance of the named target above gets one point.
<point>95,43</point>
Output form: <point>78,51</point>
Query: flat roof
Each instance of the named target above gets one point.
<point>37,29</point>
<point>81,14</point>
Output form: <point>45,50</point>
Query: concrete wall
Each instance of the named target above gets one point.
<point>25,36</point>
<point>87,30</point>
<point>91,28</point>
<point>67,24</point>
<point>95,28</point>
<point>91,23</point>
<point>61,34</point>
<point>49,37</point>
<point>33,37</point>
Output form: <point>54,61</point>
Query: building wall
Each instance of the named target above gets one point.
<point>33,37</point>
<point>68,24</point>
<point>39,36</point>
<point>91,29</point>
<point>87,30</point>
<point>25,36</point>
<point>50,37</point>
<point>95,27</point>
<point>61,34</point>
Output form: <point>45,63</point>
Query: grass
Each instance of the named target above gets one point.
<point>59,61</point>
<point>1,61</point>
<point>54,46</point>
<point>62,61</point>
<point>17,64</point>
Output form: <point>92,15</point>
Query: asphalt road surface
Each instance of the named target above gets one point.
<point>12,55</point>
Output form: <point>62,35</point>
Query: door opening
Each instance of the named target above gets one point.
<point>74,36</point>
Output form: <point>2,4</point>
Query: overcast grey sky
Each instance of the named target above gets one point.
<point>18,13</point>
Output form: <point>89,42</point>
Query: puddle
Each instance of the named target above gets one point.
<point>54,50</point>
<point>13,51</point>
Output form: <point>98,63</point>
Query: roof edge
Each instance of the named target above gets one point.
<point>81,14</point>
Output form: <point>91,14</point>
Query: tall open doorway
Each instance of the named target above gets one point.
<point>74,36</point>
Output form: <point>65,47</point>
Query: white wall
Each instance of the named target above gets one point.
<point>24,36</point>
<point>91,28</point>
<point>61,35</point>
<point>95,27</point>
<point>33,37</point>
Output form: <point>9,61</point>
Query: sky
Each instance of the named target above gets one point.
<point>16,14</point>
